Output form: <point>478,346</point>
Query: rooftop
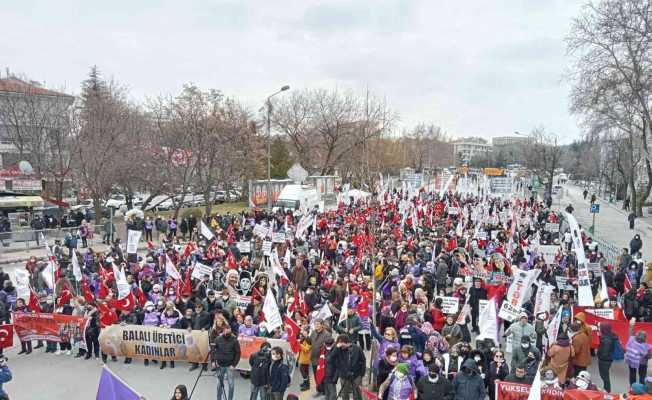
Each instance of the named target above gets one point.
<point>15,85</point>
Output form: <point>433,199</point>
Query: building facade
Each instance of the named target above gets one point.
<point>465,149</point>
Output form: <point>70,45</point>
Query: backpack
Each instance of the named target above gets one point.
<point>619,354</point>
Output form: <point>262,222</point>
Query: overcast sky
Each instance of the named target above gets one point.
<point>474,67</point>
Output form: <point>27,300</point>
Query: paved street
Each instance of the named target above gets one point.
<point>610,224</point>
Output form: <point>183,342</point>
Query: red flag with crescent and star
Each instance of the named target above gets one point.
<point>321,367</point>
<point>124,304</point>
<point>33,304</point>
<point>292,329</point>
<point>6,336</point>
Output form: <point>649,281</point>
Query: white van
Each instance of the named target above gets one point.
<point>298,198</point>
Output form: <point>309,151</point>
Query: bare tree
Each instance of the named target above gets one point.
<point>544,155</point>
<point>611,42</point>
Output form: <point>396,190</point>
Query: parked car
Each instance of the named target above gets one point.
<point>116,201</point>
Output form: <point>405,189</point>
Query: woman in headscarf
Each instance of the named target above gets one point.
<point>560,354</point>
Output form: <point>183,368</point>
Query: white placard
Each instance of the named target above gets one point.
<point>548,252</point>
<point>244,247</point>
<point>242,301</point>
<point>453,211</point>
<point>267,248</point>
<point>482,306</point>
<point>607,313</point>
<point>133,237</point>
<point>509,312</point>
<point>278,237</point>
<point>449,305</point>
<point>200,270</point>
<point>552,227</point>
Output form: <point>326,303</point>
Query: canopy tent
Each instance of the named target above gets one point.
<point>357,194</point>
<point>21,201</point>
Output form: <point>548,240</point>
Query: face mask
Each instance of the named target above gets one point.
<point>477,358</point>
<point>582,384</point>
<point>549,377</point>
<point>150,308</point>
<point>393,359</point>
<point>225,298</point>
<point>433,376</point>
<point>525,345</point>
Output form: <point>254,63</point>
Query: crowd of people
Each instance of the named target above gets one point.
<point>368,283</point>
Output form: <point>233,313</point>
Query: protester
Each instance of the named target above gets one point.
<point>260,362</point>
<point>180,393</point>
<point>637,354</point>
<point>560,355</point>
<point>581,343</point>
<point>226,351</point>
<point>605,353</point>
<point>350,364</point>
<point>434,386</point>
<point>5,376</point>
<point>468,384</point>
<point>279,375</point>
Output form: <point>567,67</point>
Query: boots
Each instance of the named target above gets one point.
<point>305,385</point>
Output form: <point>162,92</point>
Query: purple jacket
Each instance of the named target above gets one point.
<point>251,331</point>
<point>635,352</point>
<point>384,345</point>
<point>416,367</point>
<point>170,321</point>
<point>399,388</point>
<point>151,318</point>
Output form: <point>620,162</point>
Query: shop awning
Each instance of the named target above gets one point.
<point>20,201</point>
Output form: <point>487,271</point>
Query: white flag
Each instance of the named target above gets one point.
<point>603,289</point>
<point>133,237</point>
<point>553,327</point>
<point>288,258</point>
<point>535,389</point>
<point>75,266</point>
<point>22,284</point>
<point>206,231</point>
<point>171,270</point>
<point>488,323</point>
<point>48,275</point>
<point>270,309</point>
<point>345,310</point>
<point>542,303</point>
<point>323,314</point>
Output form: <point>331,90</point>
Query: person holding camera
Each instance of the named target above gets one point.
<point>226,354</point>
<point>350,361</point>
<point>5,376</point>
<point>260,362</point>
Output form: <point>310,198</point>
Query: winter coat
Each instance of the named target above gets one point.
<point>5,376</point>
<point>317,339</point>
<point>428,390</point>
<point>519,355</point>
<point>349,363</point>
<point>636,353</point>
<point>518,331</point>
<point>559,360</point>
<point>582,347</point>
<point>397,388</point>
<point>260,363</point>
<point>452,334</point>
<point>606,347</point>
<point>469,386</point>
<point>475,295</point>
<point>227,351</point>
<point>384,369</point>
<point>152,318</point>
<point>279,377</point>
<point>496,373</point>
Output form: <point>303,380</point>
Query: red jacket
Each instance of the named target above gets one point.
<point>438,319</point>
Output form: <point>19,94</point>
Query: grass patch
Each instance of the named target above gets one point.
<point>222,208</point>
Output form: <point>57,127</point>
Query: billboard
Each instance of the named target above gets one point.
<point>258,191</point>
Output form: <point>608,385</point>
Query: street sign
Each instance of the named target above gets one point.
<point>595,208</point>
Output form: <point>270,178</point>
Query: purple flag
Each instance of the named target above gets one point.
<point>113,388</point>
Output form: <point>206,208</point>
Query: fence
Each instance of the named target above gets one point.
<point>30,239</point>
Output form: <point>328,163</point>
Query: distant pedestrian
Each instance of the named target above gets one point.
<point>593,198</point>
<point>631,218</point>
<point>626,204</point>
<point>585,193</point>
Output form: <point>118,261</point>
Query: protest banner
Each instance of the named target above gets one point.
<point>251,344</point>
<point>548,252</point>
<point>242,301</point>
<point>595,268</point>
<point>606,313</point>
<point>453,211</point>
<point>267,248</point>
<point>199,270</point>
<point>508,312</point>
<point>154,343</point>
<point>521,391</point>
<point>133,237</point>
<point>449,305</point>
<point>278,237</point>
<point>58,328</point>
<point>563,283</point>
<point>542,302</point>
<point>482,305</point>
<point>244,247</point>
<point>551,227</point>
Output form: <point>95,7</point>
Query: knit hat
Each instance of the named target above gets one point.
<point>402,368</point>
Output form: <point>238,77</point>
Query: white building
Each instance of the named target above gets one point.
<point>467,148</point>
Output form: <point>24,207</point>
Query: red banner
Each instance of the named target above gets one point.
<point>6,336</point>
<point>620,327</point>
<point>53,327</point>
<point>519,391</point>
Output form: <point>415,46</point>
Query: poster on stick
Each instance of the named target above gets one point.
<point>449,305</point>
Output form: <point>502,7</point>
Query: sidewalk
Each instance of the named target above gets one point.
<point>610,223</point>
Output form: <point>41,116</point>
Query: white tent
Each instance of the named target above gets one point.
<point>356,194</point>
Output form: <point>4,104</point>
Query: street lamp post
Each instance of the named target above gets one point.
<point>269,146</point>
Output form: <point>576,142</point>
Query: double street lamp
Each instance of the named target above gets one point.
<point>268,103</point>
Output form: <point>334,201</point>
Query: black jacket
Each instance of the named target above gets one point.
<point>349,362</point>
<point>279,376</point>
<point>427,390</point>
<point>260,362</point>
<point>227,351</point>
<point>606,348</point>
<point>469,386</point>
<point>203,321</point>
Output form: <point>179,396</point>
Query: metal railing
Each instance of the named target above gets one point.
<point>30,239</point>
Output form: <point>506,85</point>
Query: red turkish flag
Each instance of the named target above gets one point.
<point>292,329</point>
<point>124,304</point>
<point>190,248</point>
<point>65,297</point>
<point>104,290</point>
<point>141,297</point>
<point>321,367</point>
<point>33,304</point>
<point>107,316</point>
<point>6,336</point>
<point>230,261</point>
<point>86,291</point>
